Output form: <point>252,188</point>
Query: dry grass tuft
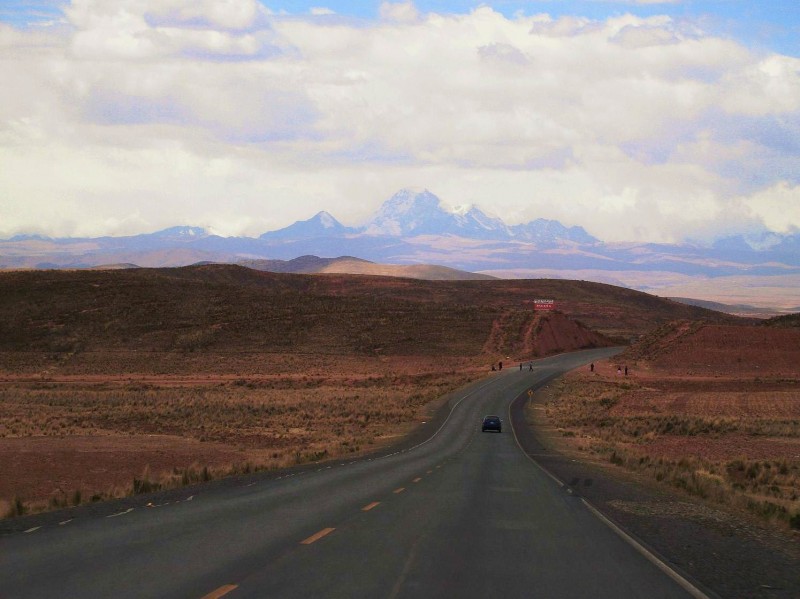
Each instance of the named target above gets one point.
<point>735,443</point>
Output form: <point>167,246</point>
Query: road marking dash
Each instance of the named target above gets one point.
<point>34,529</point>
<point>317,536</point>
<point>221,591</point>
<point>416,480</point>
<point>400,490</point>
<point>429,472</point>
<point>370,506</point>
<point>128,511</point>
<point>63,522</point>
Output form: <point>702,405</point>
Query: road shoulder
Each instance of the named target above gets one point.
<point>722,554</point>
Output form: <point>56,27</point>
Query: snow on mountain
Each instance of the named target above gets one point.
<point>320,225</point>
<point>544,231</point>
<point>181,232</point>
<point>410,212</point>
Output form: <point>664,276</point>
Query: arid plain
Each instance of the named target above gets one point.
<point>118,382</point>
<point>711,410</point>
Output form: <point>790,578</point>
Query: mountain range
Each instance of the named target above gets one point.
<point>413,227</point>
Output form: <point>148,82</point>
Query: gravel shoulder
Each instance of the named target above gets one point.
<point>723,554</point>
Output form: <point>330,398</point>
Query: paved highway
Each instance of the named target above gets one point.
<point>464,514</point>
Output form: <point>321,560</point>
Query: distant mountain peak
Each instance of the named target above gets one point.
<point>326,220</point>
<point>411,199</point>
<point>185,232</point>
<point>322,224</point>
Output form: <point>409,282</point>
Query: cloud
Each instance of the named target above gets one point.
<point>404,12</point>
<point>149,113</point>
<point>778,207</point>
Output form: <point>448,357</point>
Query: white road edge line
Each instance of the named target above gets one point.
<point>128,511</point>
<point>30,530</point>
<point>646,553</point>
<point>651,557</point>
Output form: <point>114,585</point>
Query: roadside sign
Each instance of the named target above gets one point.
<point>544,304</point>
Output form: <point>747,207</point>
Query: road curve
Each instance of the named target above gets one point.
<point>463,514</point>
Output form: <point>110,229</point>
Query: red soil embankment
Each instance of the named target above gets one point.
<point>529,335</point>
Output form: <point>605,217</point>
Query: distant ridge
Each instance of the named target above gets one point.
<point>357,266</point>
<point>737,309</point>
<point>117,266</point>
<point>228,308</point>
<point>415,227</point>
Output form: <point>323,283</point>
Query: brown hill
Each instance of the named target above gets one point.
<point>224,308</point>
<point>697,348</point>
<point>785,321</point>
<point>357,266</point>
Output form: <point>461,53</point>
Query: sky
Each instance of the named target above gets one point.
<point>639,120</point>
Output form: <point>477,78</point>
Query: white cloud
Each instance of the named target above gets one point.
<point>399,11</point>
<point>148,113</point>
<point>778,207</point>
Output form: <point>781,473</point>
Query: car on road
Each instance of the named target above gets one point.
<point>492,423</point>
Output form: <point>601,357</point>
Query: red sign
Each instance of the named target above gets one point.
<point>544,304</point>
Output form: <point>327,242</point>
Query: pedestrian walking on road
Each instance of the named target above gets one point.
<point>591,367</point>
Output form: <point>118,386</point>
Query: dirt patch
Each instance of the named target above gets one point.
<point>724,448</point>
<point>692,348</point>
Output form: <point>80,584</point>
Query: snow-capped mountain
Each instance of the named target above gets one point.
<point>544,231</point>
<point>409,213</point>
<point>320,225</point>
<point>414,226</point>
<point>181,233</point>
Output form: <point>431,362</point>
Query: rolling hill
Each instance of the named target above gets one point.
<point>225,308</point>
<point>357,266</point>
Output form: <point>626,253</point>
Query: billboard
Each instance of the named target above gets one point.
<point>544,304</point>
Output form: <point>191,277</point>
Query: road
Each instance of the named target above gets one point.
<point>464,514</point>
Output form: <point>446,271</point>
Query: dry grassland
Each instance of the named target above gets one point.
<point>734,441</point>
<point>71,438</point>
<point>115,382</point>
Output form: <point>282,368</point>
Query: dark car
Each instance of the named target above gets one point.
<point>492,423</point>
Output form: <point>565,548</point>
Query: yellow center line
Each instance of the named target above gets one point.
<point>367,508</point>
<point>317,536</point>
<point>416,480</point>
<point>223,590</point>
<point>400,490</point>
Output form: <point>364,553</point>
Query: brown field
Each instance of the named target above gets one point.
<point>712,410</point>
<point>92,437</point>
<point>115,382</point>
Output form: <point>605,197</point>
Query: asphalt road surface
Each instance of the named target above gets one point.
<point>464,514</point>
